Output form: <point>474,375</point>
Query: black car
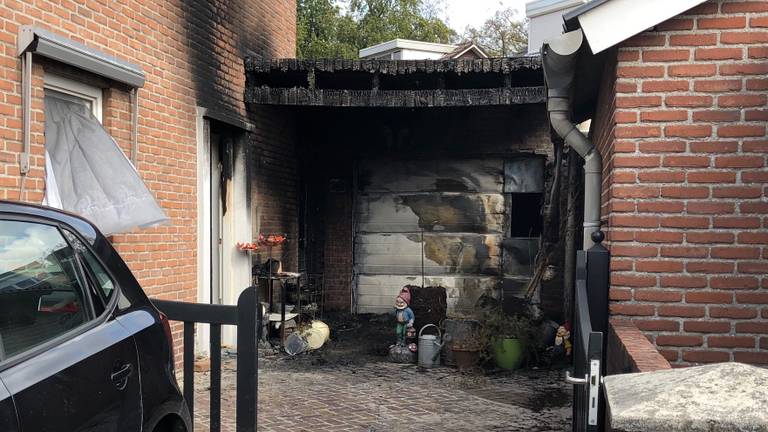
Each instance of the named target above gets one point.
<point>82,348</point>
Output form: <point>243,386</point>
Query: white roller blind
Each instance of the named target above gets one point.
<point>88,174</point>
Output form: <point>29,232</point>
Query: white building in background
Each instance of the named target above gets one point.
<point>405,49</point>
<point>546,20</point>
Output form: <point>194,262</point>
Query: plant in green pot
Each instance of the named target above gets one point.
<point>508,338</point>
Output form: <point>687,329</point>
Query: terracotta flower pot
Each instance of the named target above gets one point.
<point>466,358</point>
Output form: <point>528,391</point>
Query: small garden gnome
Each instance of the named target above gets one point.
<point>404,315</point>
<point>563,341</point>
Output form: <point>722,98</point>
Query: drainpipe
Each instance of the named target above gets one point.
<point>559,61</point>
<point>135,127</point>
<point>26,109</point>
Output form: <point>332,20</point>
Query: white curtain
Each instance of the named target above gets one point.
<point>88,174</point>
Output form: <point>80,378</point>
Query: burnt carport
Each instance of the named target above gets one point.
<point>426,173</point>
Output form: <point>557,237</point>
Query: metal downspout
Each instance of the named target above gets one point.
<point>26,127</point>
<point>135,127</point>
<point>559,59</point>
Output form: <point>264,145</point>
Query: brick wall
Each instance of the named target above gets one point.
<point>630,351</point>
<point>191,52</point>
<point>339,249</point>
<point>686,193</point>
<point>275,183</point>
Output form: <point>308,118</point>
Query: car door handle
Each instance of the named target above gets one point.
<point>120,377</point>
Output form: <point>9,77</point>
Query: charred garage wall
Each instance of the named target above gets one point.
<point>461,187</point>
<point>412,172</point>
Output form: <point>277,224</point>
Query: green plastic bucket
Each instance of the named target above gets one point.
<point>508,353</point>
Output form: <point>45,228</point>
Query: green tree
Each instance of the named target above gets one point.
<point>325,31</point>
<point>502,35</point>
<point>382,20</point>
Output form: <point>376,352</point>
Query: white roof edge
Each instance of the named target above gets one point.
<point>612,22</point>
<point>405,44</point>
<point>542,7</point>
<point>475,48</point>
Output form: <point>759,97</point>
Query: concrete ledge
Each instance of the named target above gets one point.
<point>725,397</point>
<point>630,351</point>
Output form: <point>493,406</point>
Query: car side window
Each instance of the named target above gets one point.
<point>42,293</point>
<point>102,279</point>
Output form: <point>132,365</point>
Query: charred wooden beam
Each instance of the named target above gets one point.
<point>393,67</point>
<point>265,95</point>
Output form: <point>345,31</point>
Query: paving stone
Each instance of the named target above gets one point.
<point>386,397</point>
<point>725,397</point>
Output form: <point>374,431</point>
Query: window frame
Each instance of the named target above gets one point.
<point>90,274</point>
<point>94,321</point>
<point>70,87</point>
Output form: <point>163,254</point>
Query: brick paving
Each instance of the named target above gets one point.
<point>383,397</point>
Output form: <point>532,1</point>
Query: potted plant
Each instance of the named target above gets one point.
<point>507,338</point>
<point>467,353</point>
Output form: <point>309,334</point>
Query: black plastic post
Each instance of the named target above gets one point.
<point>598,280</point>
<point>248,314</point>
<point>189,368</point>
<point>598,285</point>
<point>215,395</point>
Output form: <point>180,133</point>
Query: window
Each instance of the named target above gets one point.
<point>41,287</point>
<point>95,270</point>
<point>86,172</point>
<point>75,91</point>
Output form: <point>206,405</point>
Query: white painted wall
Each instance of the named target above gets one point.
<point>202,336</point>
<point>408,54</point>
<point>236,227</point>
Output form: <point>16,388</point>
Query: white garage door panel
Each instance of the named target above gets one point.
<point>446,212</point>
<point>400,254</point>
<point>471,175</point>
<point>457,205</point>
<point>376,294</point>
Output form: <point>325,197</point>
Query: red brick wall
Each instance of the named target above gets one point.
<point>191,52</point>
<point>630,351</point>
<point>338,250</point>
<point>275,183</point>
<point>687,184</point>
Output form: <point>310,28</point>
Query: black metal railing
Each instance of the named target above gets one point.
<point>246,316</point>
<point>590,324</point>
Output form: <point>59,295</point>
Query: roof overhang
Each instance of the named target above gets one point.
<point>537,8</point>
<point>396,44</point>
<point>47,44</point>
<point>395,83</point>
<point>607,23</point>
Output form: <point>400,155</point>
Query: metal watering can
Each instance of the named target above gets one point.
<point>429,348</point>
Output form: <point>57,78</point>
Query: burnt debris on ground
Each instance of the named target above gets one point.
<point>355,340</point>
<point>361,339</point>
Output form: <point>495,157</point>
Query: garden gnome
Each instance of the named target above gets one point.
<point>563,341</point>
<point>404,315</point>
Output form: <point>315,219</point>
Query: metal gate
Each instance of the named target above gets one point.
<point>590,319</point>
<point>247,317</point>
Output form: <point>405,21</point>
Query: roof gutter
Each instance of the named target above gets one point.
<point>559,63</point>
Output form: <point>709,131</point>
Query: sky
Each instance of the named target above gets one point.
<point>461,13</point>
